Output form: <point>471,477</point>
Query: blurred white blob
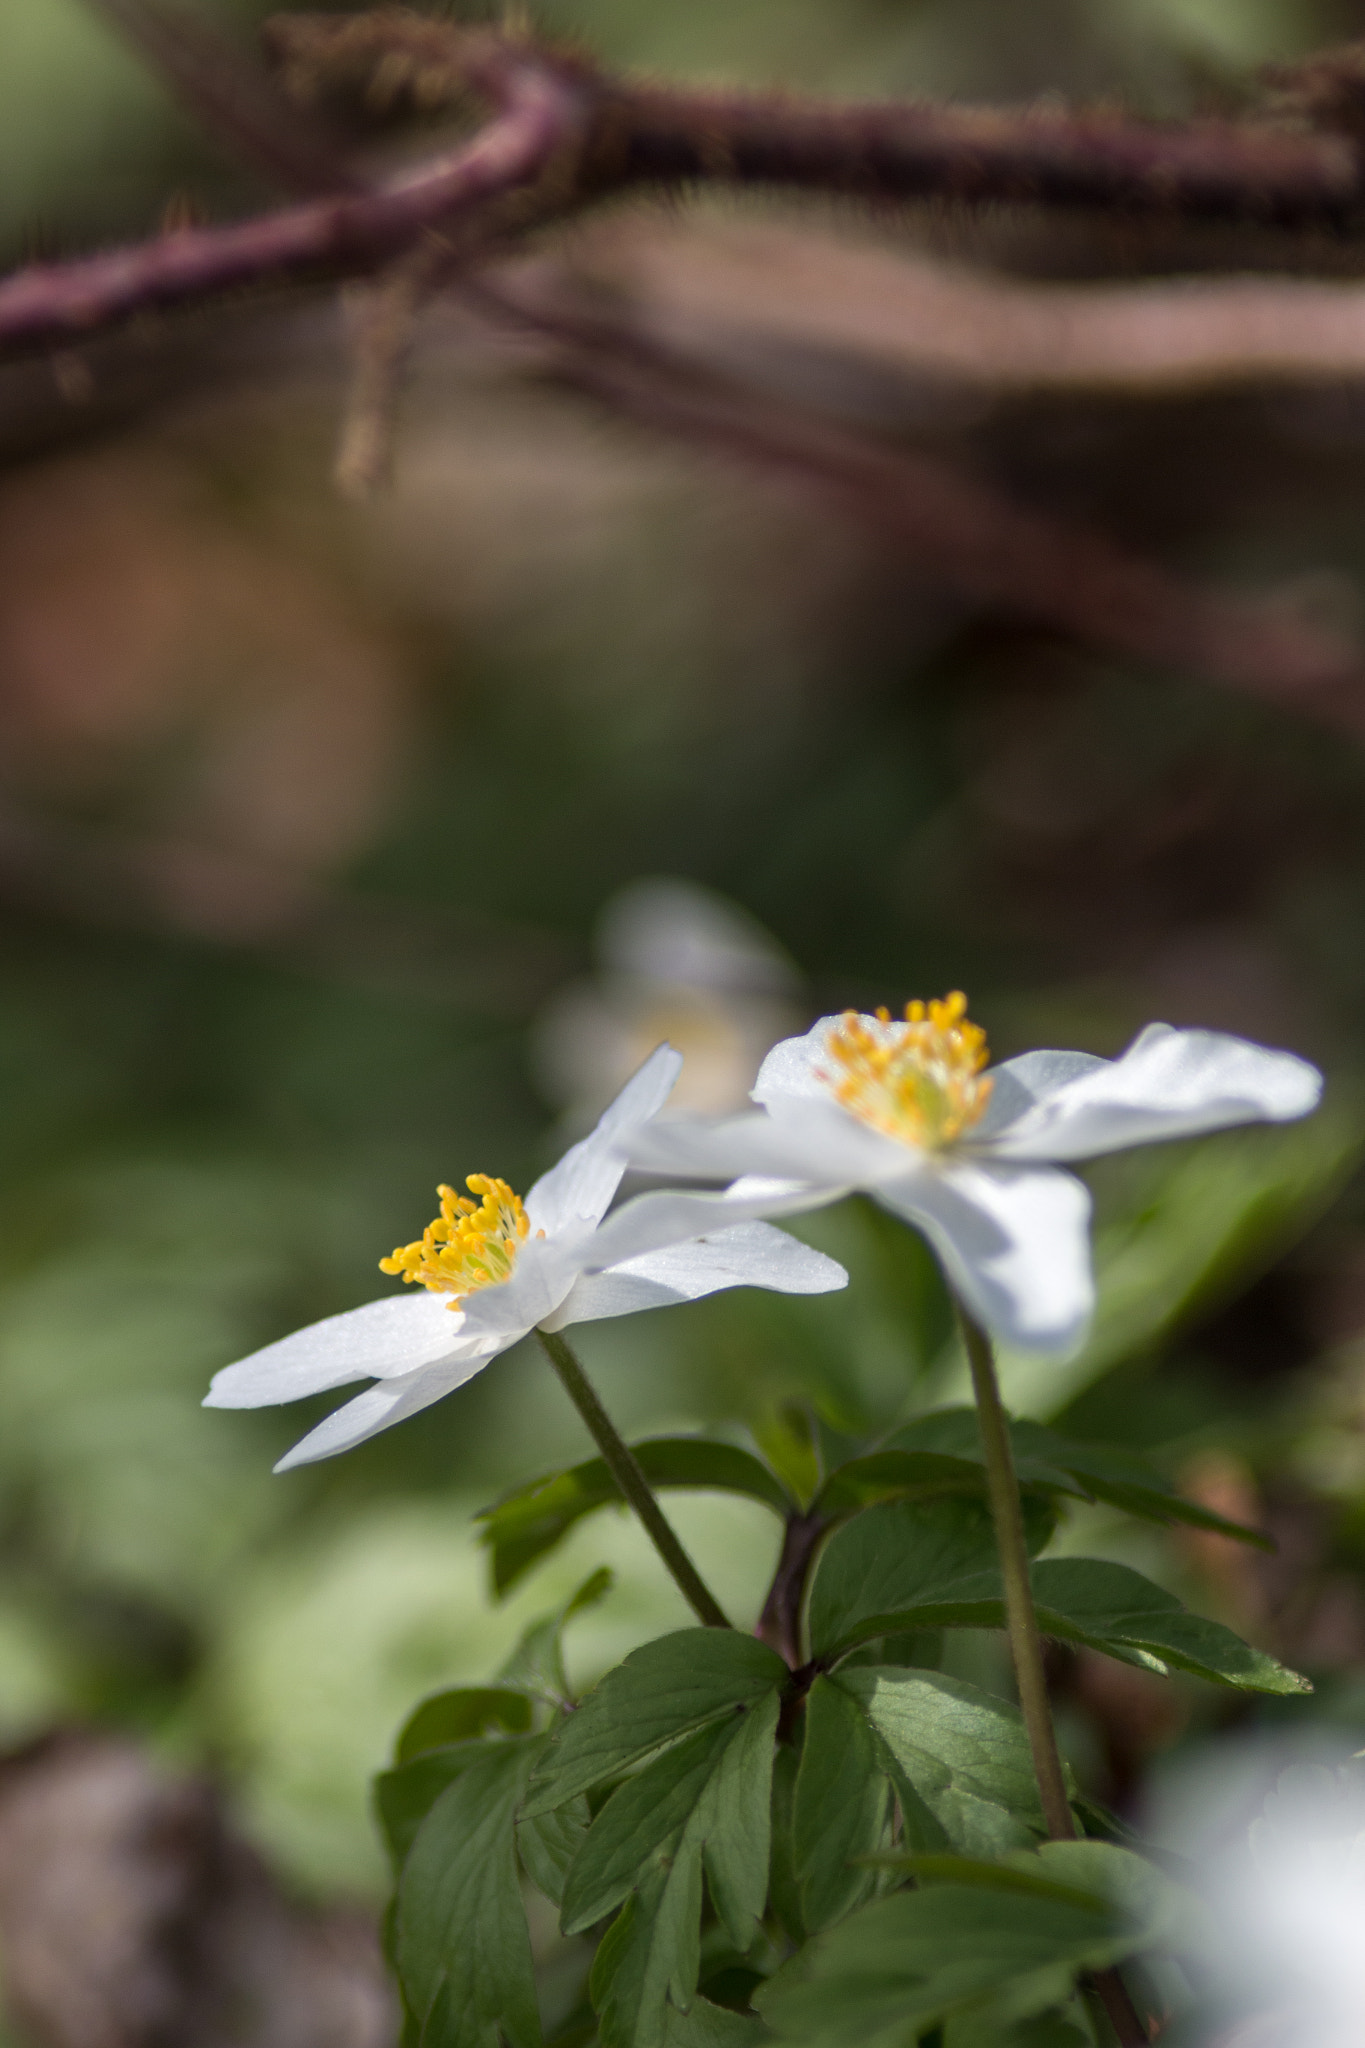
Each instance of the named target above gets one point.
<point>675,961</point>
<point>1287,1902</point>
<point>1294,1913</point>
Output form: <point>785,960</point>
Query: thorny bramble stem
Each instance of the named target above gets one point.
<point>625,1469</point>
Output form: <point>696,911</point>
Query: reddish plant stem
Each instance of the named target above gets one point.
<point>779,1625</point>
<point>908,149</point>
<point>1217,170</point>
<point>624,134</point>
<point>350,233</point>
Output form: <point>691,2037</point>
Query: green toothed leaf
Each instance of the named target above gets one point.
<point>661,1691</point>
<point>932,1563</point>
<point>460,1716</point>
<point>464,1954</point>
<point>840,1808</point>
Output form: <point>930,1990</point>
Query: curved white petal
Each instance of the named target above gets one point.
<point>792,1067</point>
<point>746,1255</point>
<point>1018,1084</point>
<point>380,1407</point>
<point>384,1339</point>
<point>579,1189</point>
<point>800,1138</point>
<point>1014,1242</point>
<point>673,1216</point>
<point>1169,1084</point>
<point>544,1272</point>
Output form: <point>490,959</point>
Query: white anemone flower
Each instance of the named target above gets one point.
<point>904,1112</point>
<point>487,1272</point>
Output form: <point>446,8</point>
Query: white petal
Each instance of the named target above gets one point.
<point>579,1189</point>
<point>1031,1078</point>
<point>380,1407</point>
<point>747,1255</point>
<point>385,1339</point>
<point>544,1272</point>
<point>793,1065</point>
<point>1169,1084</point>
<point>1015,1244</point>
<point>673,1216</point>
<point>801,1138</point>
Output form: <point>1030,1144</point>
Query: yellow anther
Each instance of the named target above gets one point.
<point>920,1081</point>
<point>469,1245</point>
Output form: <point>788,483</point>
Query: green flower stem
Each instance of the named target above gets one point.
<point>625,1469</point>
<point>1026,1644</point>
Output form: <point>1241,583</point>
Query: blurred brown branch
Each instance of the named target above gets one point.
<point>352,233</point>
<point>959,530</point>
<point>1220,170</point>
<point>563,134</point>
<point>599,135</point>
<point>747,286</point>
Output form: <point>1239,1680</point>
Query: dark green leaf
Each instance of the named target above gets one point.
<point>548,1843</point>
<point>894,1560</point>
<point>950,1438</point>
<point>522,1527</point>
<point>978,1870</point>
<point>905,1961</point>
<point>704,2025</point>
<point>404,1797</point>
<point>462,1936</point>
<point>1127,1482</point>
<point>733,1823</point>
<point>1160,1912</point>
<point>954,1753</point>
<point>701,1806</point>
<point>934,1562</point>
<point>537,1664</point>
<point>1157,1911</point>
<point>643,1819</point>
<point>895,1474</point>
<point>986,2026</point>
<point>955,1433</point>
<point>789,1439</point>
<point>1109,1607</point>
<point>708,1798</point>
<point>460,1716</point>
<point>840,1808</point>
<point>650,1949</point>
<point>784,1887</point>
<point>660,1692</point>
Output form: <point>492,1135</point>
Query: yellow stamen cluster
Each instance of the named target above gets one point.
<point>921,1080</point>
<point>470,1244</point>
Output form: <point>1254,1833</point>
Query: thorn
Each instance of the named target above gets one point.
<point>384,319</point>
<point>182,210</point>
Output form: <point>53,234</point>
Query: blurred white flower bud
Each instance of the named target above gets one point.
<point>676,962</point>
